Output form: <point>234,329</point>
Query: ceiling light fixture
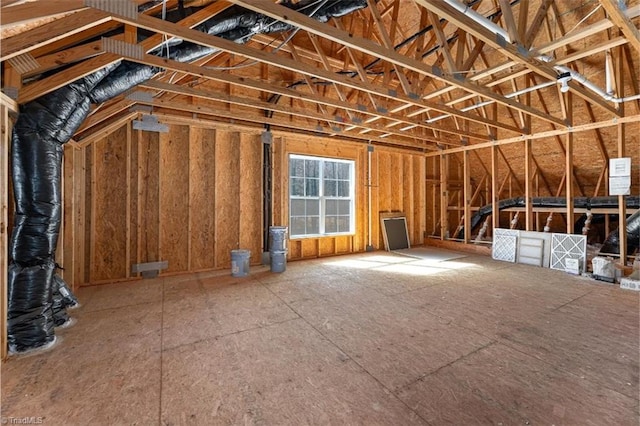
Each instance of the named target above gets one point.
<point>564,80</point>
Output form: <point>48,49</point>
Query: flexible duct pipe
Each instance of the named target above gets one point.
<point>632,202</point>
<point>41,129</point>
<point>612,243</point>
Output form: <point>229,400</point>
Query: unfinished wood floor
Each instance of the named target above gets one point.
<point>362,339</point>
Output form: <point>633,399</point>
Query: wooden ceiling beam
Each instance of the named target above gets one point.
<point>386,39</point>
<point>616,16</point>
<point>512,52</point>
<point>608,44</point>
<point>42,87</point>
<point>507,14</point>
<point>194,36</point>
<point>199,118</point>
<point>96,117</point>
<point>310,85</point>
<point>287,15</point>
<point>325,61</point>
<point>106,128</point>
<point>25,12</point>
<point>68,56</point>
<point>267,40</point>
<point>522,20</point>
<point>253,103</point>
<point>51,32</point>
<point>542,135</point>
<point>272,88</point>
<point>536,23</point>
<point>442,41</point>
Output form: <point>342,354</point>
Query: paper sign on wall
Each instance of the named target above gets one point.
<point>620,166</point>
<point>620,176</point>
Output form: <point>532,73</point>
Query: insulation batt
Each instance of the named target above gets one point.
<point>48,122</point>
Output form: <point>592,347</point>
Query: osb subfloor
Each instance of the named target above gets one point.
<point>365,339</point>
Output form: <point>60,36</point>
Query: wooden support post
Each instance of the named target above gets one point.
<point>79,207</point>
<point>67,231</point>
<point>528,160</point>
<point>495,213</point>
<point>4,226</point>
<point>128,207</point>
<point>622,204</point>
<point>434,196</point>
<point>92,213</point>
<point>444,197</point>
<point>467,196</point>
<point>569,166</point>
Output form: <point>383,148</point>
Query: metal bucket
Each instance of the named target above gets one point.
<point>278,261</point>
<point>277,238</point>
<point>240,263</point>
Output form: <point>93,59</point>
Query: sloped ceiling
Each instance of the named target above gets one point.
<point>416,74</point>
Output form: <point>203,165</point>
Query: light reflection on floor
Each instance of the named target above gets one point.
<point>400,264</point>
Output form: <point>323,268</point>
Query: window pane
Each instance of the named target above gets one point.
<point>343,170</point>
<point>296,167</point>
<point>313,207</point>
<point>329,188</point>
<point>313,225</point>
<point>297,187</point>
<point>312,168</point>
<point>343,188</point>
<point>329,170</point>
<point>298,226</point>
<point>307,216</point>
<point>330,224</point>
<point>343,224</point>
<point>312,187</point>
<point>298,207</point>
<point>331,207</point>
<point>344,207</point>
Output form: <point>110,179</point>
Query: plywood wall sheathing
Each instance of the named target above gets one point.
<point>227,196</point>
<point>109,181</point>
<point>174,198</point>
<point>202,198</point>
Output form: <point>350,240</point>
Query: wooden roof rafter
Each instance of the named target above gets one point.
<point>388,96</point>
<point>512,52</point>
<point>291,65</point>
<point>281,13</point>
<point>616,16</point>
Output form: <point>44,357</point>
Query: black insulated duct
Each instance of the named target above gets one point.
<point>612,242</point>
<point>45,124</point>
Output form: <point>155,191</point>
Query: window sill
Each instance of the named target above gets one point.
<point>322,236</point>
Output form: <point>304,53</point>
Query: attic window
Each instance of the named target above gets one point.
<point>321,196</point>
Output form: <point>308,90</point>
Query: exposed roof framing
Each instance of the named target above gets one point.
<point>416,74</point>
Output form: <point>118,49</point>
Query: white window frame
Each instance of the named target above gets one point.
<point>322,198</point>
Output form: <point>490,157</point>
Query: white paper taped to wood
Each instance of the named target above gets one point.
<point>620,185</point>
<point>620,166</point>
